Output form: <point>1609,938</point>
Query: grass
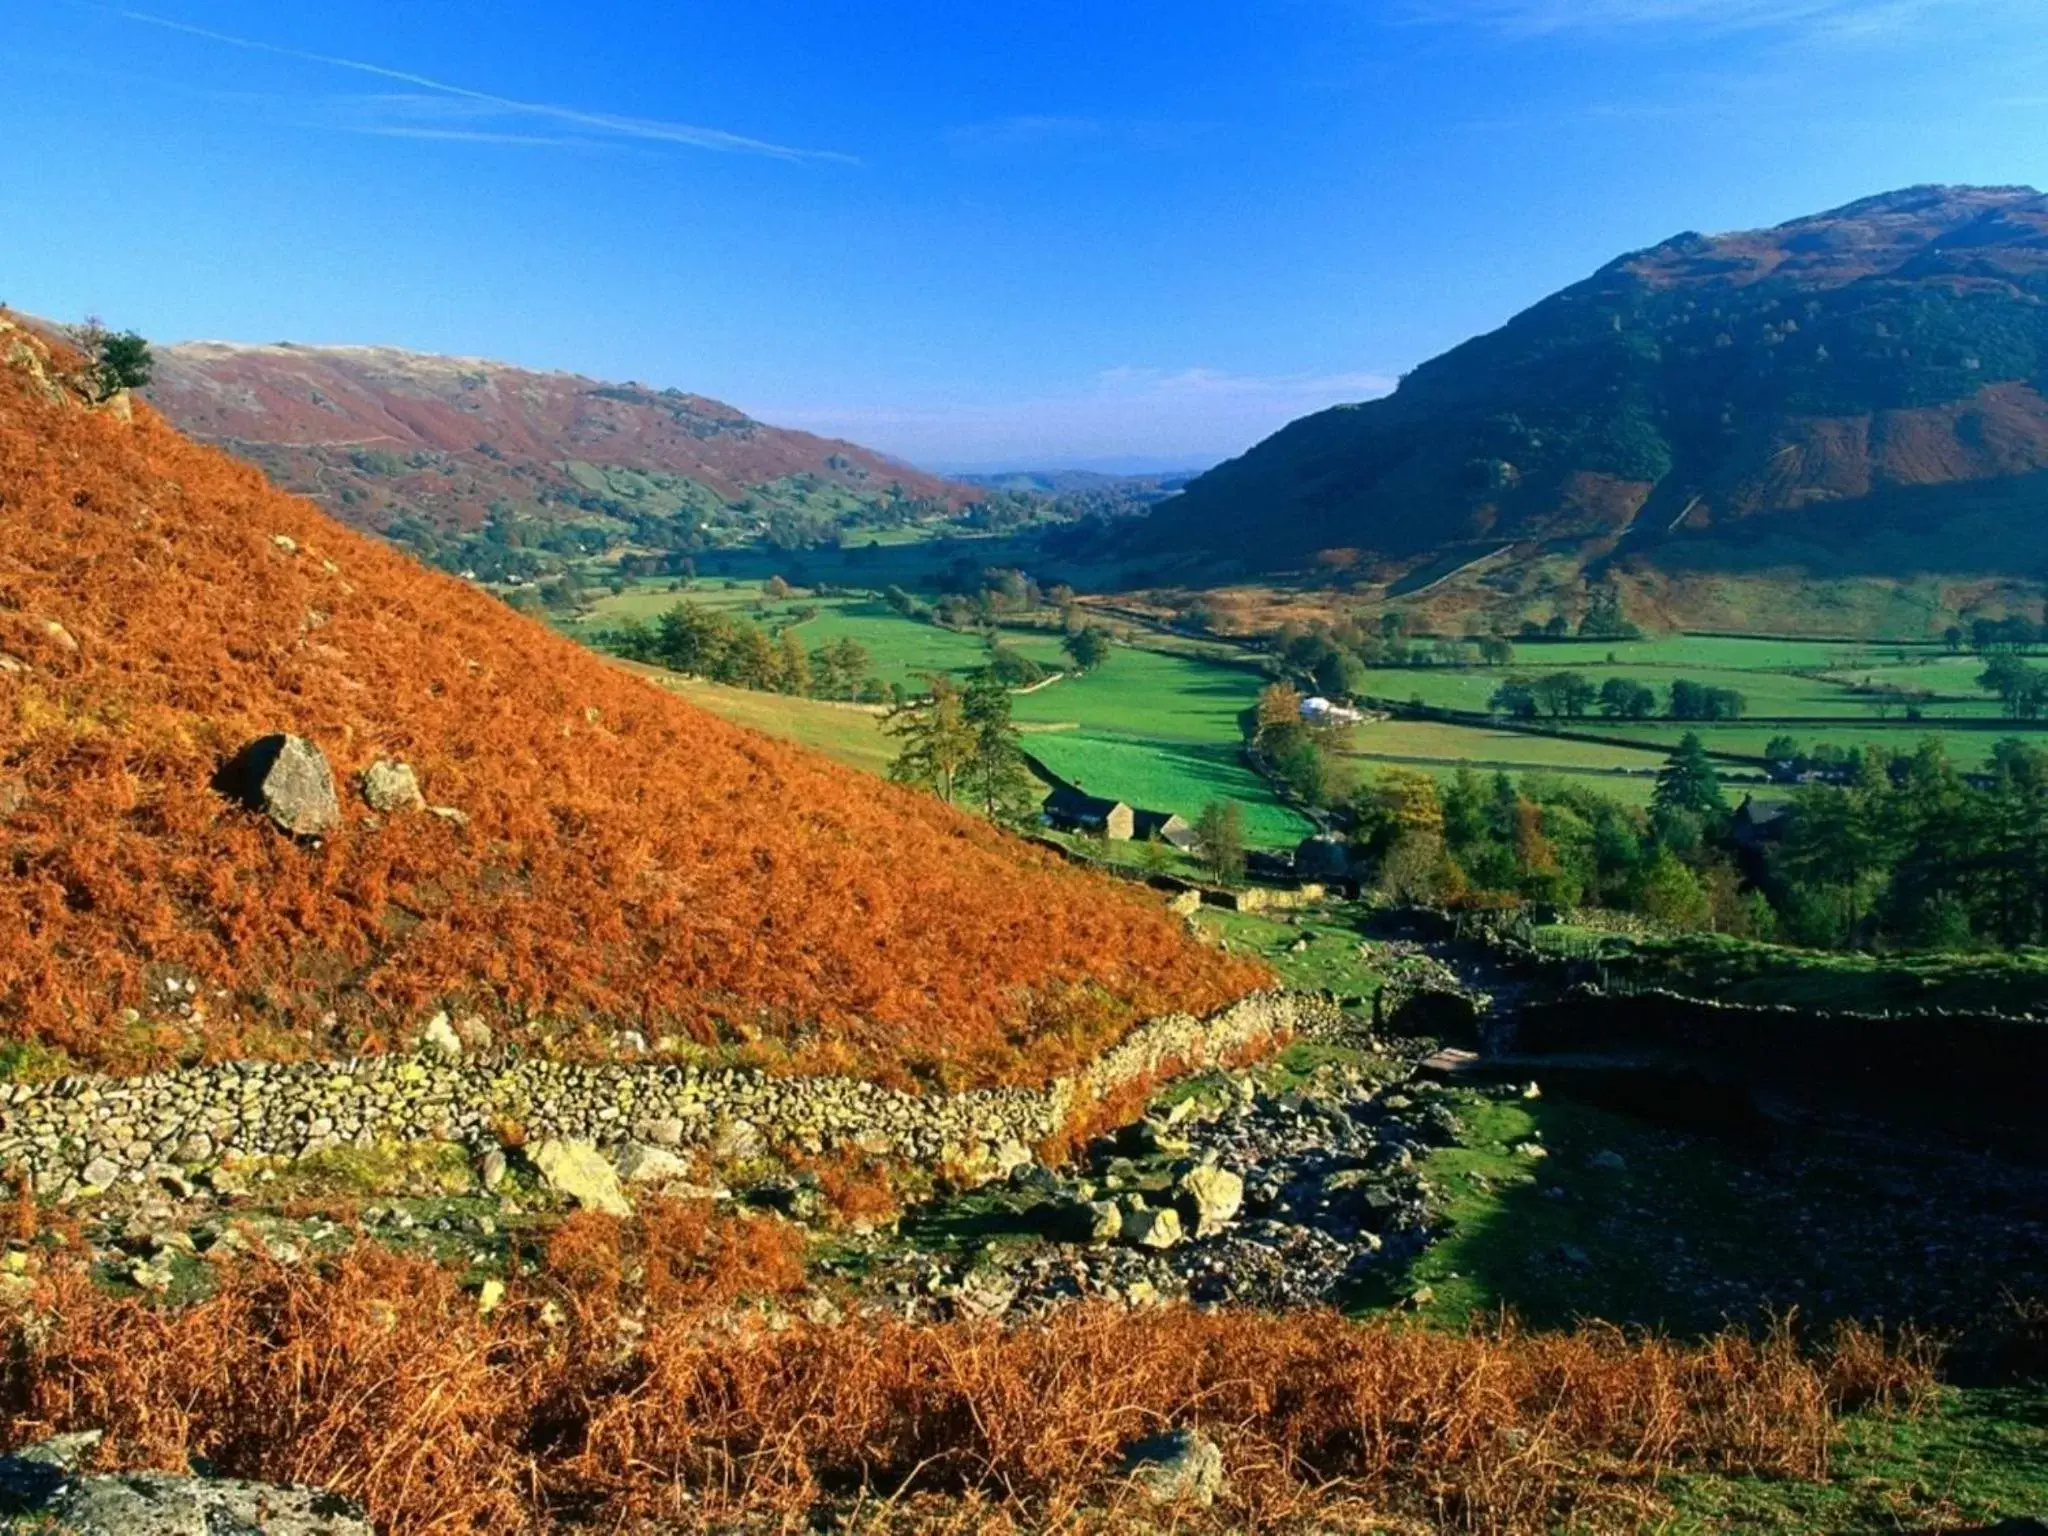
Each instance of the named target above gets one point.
<point>1980,1457</point>
<point>847,733</point>
<point>1179,776</point>
<point>1319,951</point>
<point>1626,773</point>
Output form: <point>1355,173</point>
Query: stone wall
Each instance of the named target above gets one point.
<point>97,1130</point>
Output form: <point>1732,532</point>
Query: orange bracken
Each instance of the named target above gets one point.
<point>626,860</point>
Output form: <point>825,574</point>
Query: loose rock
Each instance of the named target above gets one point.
<point>286,778</point>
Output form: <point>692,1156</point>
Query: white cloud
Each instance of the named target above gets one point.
<point>1192,416</point>
<point>572,124</point>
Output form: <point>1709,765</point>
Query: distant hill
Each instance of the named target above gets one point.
<point>1858,393</point>
<point>605,856</point>
<point>435,450</point>
<point>1076,493</point>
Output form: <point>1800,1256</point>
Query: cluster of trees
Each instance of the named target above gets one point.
<point>1570,695</point>
<point>1912,851</point>
<point>1335,657</point>
<point>2022,689</point>
<point>731,648</point>
<point>1492,840</point>
<point>959,742</point>
<point>1294,751</point>
<point>2010,635</point>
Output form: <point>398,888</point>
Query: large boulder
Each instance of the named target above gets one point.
<point>288,780</point>
<point>41,1488</point>
<point>579,1172</point>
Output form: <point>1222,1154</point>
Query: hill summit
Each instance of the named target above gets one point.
<point>1860,391</point>
<point>548,842</point>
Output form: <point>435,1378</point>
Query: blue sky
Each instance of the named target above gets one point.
<point>1140,231</point>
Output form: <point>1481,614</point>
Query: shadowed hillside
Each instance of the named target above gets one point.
<point>605,856</point>
<point>1859,392</point>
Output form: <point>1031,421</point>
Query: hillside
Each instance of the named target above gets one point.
<point>437,450</point>
<point>609,856</point>
<point>1855,394</point>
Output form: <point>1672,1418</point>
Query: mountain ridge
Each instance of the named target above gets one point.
<point>1818,382</point>
<point>432,447</point>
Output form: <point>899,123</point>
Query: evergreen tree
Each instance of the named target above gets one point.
<point>937,740</point>
<point>1687,781</point>
<point>995,778</point>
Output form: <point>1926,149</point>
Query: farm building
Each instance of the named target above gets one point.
<point>1170,829</point>
<point>1069,809</point>
<point>1317,710</point>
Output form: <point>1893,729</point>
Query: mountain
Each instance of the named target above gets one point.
<point>433,450</point>
<point>605,856</point>
<point>1856,393</point>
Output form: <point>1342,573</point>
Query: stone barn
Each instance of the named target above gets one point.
<point>1068,809</point>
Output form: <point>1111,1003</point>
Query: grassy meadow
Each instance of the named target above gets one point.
<point>1158,729</point>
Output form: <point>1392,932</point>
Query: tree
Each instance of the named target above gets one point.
<point>1279,707</point>
<point>994,778</point>
<point>775,588</point>
<point>1671,893</point>
<point>795,667</point>
<point>938,741</point>
<point>1219,833</point>
<point>1496,650</point>
<point>119,361</point>
<point>1687,781</point>
<point>1623,698</point>
<point>1516,698</point>
<point>1089,648</point>
<point>1564,693</point>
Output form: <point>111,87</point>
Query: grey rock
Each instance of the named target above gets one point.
<point>577,1170</point>
<point>1151,1227</point>
<point>1214,1195</point>
<point>492,1170</point>
<point>390,786</point>
<point>288,780</point>
<point>1181,1466</point>
<point>102,1172</point>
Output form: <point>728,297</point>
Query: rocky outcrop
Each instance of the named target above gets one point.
<point>120,1129</point>
<point>1181,1466</point>
<point>41,1490</point>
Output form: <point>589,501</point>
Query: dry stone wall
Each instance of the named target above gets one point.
<point>97,1131</point>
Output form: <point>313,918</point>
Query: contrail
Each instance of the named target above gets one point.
<point>651,129</point>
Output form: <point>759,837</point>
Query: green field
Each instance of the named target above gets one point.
<point>1160,732</point>
<point>1439,747</point>
<point>902,650</point>
<point>847,733</point>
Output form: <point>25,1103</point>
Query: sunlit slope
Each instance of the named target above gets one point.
<point>621,858</point>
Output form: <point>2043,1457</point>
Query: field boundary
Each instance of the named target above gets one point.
<point>96,1131</point>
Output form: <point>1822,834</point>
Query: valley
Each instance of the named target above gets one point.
<point>635,970</point>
